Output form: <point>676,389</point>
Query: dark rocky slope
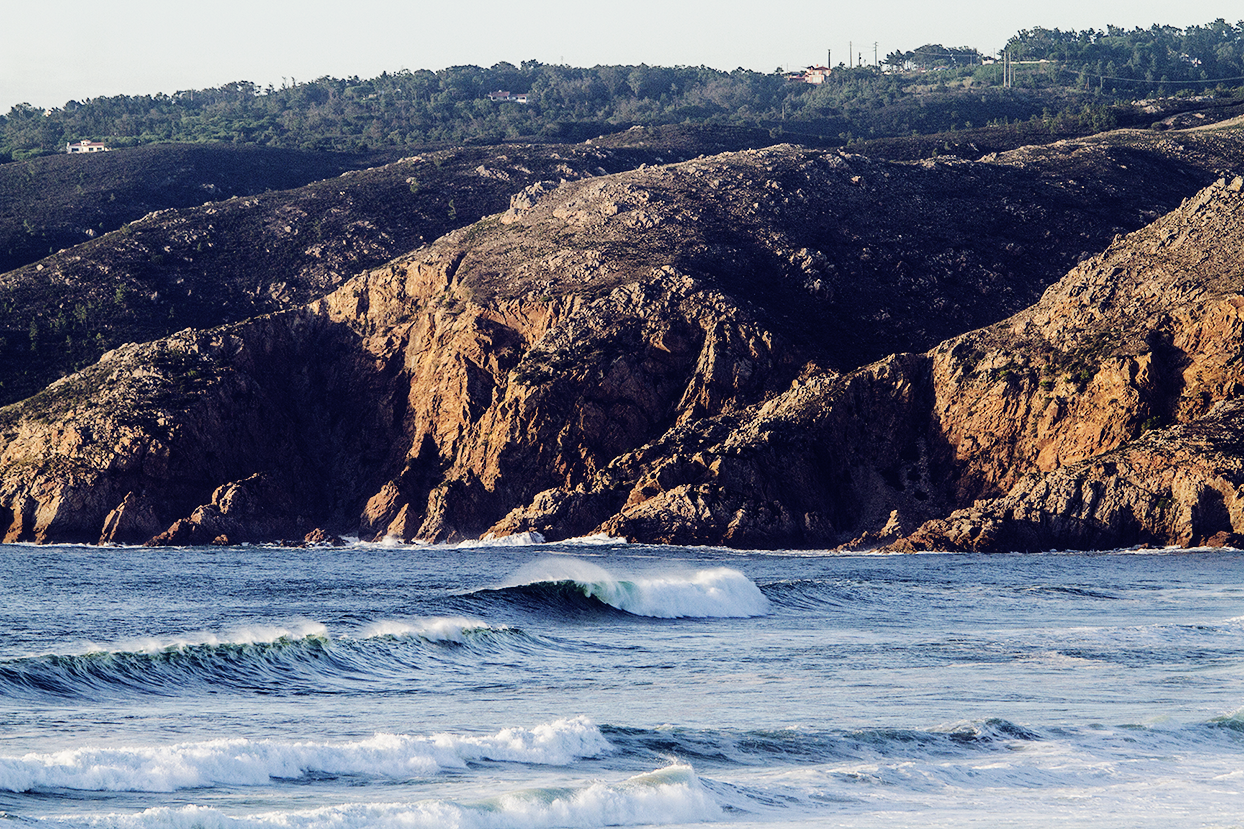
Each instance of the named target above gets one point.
<point>656,354</point>
<point>226,261</point>
<point>56,202</point>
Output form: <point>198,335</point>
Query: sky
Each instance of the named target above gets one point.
<point>54,53</point>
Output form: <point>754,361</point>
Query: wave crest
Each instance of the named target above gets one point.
<point>670,795</point>
<point>242,762</point>
<point>456,629</point>
<point>718,592</point>
<point>249,660</point>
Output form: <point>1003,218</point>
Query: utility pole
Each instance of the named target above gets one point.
<point>875,63</point>
<point>850,52</point>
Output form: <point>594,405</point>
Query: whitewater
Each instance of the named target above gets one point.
<point>523,684</point>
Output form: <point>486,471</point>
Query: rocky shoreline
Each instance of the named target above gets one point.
<point>770,348</point>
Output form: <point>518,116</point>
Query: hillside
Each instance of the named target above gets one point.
<point>681,352</point>
<point>1110,412</point>
<point>224,261</point>
<point>1071,84</point>
<point>58,201</point>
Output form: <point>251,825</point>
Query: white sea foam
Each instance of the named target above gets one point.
<point>715,592</point>
<point>528,539</point>
<point>670,795</point>
<point>597,540</point>
<point>431,629</point>
<point>242,762</point>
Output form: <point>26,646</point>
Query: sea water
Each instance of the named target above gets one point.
<point>604,684</point>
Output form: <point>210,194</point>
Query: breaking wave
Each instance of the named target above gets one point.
<point>273,660</point>
<point>669,795</point>
<point>242,762</point>
<point>574,585</point>
<point>527,539</point>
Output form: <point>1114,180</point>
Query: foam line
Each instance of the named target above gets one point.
<point>242,762</point>
<point>670,795</point>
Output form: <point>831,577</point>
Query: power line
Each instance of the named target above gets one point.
<point>1168,80</point>
<point>1067,66</point>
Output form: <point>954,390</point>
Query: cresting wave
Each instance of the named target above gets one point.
<point>241,762</point>
<point>456,629</point>
<point>270,659</point>
<point>718,592</point>
<point>669,795</point>
<point>534,539</point>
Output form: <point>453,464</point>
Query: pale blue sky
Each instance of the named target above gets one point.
<point>52,53</point>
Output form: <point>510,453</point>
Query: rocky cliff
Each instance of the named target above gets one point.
<point>226,259</point>
<point>1109,413</point>
<point>697,353</point>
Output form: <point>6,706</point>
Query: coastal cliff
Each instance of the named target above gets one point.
<point>1109,413</point>
<point>763,348</point>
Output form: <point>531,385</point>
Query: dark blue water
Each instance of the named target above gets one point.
<point>606,684</point>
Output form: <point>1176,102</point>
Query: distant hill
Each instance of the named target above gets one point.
<point>58,201</point>
<point>1088,81</point>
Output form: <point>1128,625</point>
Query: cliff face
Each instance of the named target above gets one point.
<point>1107,413</point>
<point>242,421</point>
<point>673,354</point>
<point>233,258</point>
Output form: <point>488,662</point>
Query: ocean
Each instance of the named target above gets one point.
<point>596,683</point>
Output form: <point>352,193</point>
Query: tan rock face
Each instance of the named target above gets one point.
<point>1064,415</point>
<point>1181,486</point>
<point>505,402</point>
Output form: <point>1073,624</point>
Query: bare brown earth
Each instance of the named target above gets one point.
<point>697,353</point>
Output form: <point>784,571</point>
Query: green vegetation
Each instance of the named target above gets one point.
<point>1160,60</point>
<point>1077,366</point>
<point>931,89</point>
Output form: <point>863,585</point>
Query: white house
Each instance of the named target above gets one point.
<point>813,75</point>
<point>85,146</point>
<point>816,74</point>
<point>502,95</point>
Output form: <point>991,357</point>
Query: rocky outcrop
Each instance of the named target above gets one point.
<point>1049,424</point>
<point>674,354</point>
<point>1107,414</point>
<point>1181,486</point>
<point>817,464</point>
